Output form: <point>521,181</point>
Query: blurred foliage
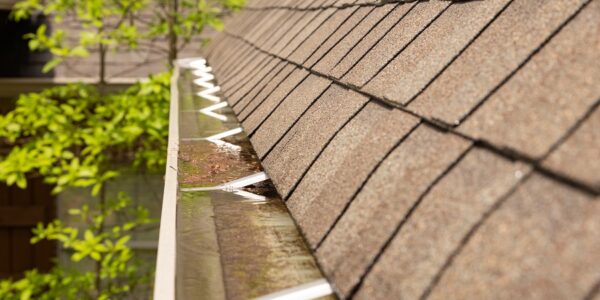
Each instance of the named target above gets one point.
<point>71,135</point>
<point>119,23</point>
<point>118,272</point>
<point>190,17</point>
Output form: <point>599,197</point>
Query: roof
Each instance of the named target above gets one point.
<point>428,149</point>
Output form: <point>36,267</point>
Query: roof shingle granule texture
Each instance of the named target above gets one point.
<point>407,74</point>
<point>429,149</point>
<point>346,44</point>
<point>437,227</point>
<point>418,16</point>
<point>392,191</point>
<point>275,96</point>
<point>244,100</point>
<point>244,109</point>
<point>375,33</point>
<point>575,157</point>
<point>505,45</point>
<point>549,94</point>
<point>542,243</point>
<point>303,142</point>
<point>286,113</point>
<point>337,174</point>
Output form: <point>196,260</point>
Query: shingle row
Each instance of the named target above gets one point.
<point>495,134</point>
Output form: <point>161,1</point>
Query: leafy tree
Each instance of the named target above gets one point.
<point>118,273</point>
<point>123,24</point>
<point>74,137</point>
<point>185,19</point>
<point>103,23</point>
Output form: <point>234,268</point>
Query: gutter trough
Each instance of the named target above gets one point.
<point>225,232</point>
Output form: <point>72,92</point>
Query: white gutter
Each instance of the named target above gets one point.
<point>164,280</point>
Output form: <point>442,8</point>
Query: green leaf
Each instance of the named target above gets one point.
<point>96,189</point>
<point>77,256</point>
<point>11,178</point>
<point>51,64</point>
<point>22,182</point>
<point>26,294</point>
<point>34,44</point>
<point>74,211</point>
<point>88,235</point>
<point>95,256</point>
<point>80,51</point>
<point>122,241</point>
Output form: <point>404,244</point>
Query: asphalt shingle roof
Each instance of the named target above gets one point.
<point>340,170</point>
<point>429,149</point>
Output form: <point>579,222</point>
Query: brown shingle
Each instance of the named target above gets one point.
<point>394,41</point>
<point>265,108</point>
<point>300,54</point>
<point>329,3</point>
<point>339,33</point>
<point>253,79</point>
<point>344,165</point>
<point>289,110</point>
<point>306,31</point>
<point>299,147</point>
<point>256,21</point>
<point>438,225</point>
<point>385,199</point>
<point>270,89</point>
<point>305,4</point>
<point>541,244</point>
<point>217,44</point>
<point>279,30</point>
<point>295,28</point>
<point>236,70</point>
<point>336,54</point>
<point>579,156</point>
<point>537,105</point>
<point>344,2</point>
<point>267,105</point>
<point>319,4</point>
<point>516,33</point>
<point>248,24</point>
<point>228,86</point>
<point>224,61</point>
<point>239,81</point>
<point>219,58</point>
<point>375,192</point>
<point>375,34</point>
<point>252,94</point>
<point>271,21</point>
<point>416,66</point>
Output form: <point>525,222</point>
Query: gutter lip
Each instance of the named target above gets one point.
<point>164,278</point>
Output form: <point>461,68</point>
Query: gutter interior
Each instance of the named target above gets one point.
<point>230,244</point>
